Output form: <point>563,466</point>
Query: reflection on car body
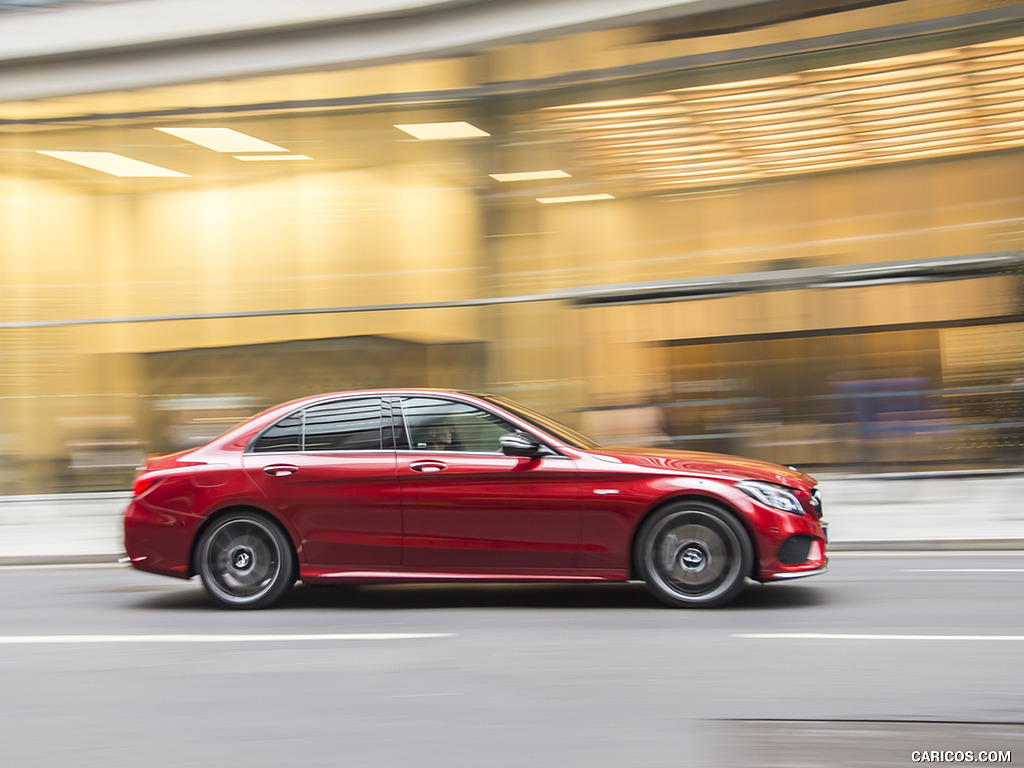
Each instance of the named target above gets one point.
<point>412,485</point>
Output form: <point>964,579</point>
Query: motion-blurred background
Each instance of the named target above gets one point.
<point>791,230</point>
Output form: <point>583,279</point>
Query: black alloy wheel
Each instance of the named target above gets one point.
<point>245,561</point>
<point>693,554</point>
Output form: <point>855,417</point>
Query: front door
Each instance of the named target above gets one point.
<point>467,507</point>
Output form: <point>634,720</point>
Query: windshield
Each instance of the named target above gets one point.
<point>539,420</point>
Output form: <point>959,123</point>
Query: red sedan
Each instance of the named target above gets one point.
<point>426,485</point>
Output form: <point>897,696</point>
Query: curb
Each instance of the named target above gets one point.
<point>7,561</point>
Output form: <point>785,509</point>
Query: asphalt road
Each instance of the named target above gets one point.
<point>884,657</point>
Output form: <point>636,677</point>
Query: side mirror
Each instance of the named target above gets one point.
<point>521,444</point>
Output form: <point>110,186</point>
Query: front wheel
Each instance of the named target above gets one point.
<point>245,561</point>
<point>694,555</point>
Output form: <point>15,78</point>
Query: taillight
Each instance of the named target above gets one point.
<point>143,484</point>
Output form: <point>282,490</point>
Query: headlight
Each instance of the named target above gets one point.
<point>771,495</point>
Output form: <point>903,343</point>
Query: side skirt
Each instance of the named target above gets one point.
<point>321,574</point>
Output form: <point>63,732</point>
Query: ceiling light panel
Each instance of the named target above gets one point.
<point>574,198</point>
<point>530,175</point>
<point>115,165</point>
<point>440,131</point>
<point>222,139</point>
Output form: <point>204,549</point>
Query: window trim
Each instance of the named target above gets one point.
<point>392,406</point>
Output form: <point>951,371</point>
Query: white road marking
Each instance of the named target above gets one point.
<point>836,636</point>
<point>962,570</point>
<point>87,639</point>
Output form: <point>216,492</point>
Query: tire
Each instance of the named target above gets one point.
<point>693,554</point>
<point>245,561</point>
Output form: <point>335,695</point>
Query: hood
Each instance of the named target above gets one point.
<point>709,464</point>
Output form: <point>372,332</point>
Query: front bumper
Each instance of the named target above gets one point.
<point>790,546</point>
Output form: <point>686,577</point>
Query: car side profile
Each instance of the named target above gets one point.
<point>428,485</point>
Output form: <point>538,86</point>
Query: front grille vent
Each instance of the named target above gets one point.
<point>795,549</point>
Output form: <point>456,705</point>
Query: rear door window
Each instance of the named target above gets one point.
<point>343,425</point>
<point>339,425</point>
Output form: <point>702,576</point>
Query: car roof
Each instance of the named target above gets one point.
<point>382,392</point>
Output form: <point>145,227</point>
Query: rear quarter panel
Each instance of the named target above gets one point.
<point>161,524</point>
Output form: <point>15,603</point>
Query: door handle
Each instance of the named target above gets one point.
<point>280,470</point>
<point>428,466</point>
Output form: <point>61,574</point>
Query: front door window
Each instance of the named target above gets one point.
<point>447,425</point>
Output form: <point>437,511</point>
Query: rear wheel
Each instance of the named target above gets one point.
<point>245,561</point>
<point>694,554</point>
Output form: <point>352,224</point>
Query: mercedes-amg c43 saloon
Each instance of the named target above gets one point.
<point>427,485</point>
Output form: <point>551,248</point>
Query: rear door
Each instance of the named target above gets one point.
<point>330,470</point>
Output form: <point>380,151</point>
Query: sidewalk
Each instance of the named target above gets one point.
<point>62,528</point>
<point>968,510</point>
<point>878,512</point>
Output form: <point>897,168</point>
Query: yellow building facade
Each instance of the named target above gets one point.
<point>795,237</point>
